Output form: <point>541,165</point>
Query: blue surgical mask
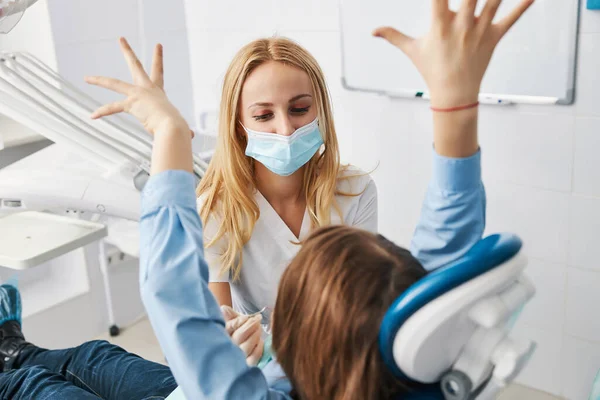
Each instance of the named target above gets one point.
<point>284,155</point>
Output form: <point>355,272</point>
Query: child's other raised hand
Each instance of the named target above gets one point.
<point>454,55</point>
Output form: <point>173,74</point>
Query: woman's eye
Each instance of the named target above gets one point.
<point>263,117</point>
<point>300,110</point>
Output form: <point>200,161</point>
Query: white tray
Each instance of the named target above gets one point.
<point>30,238</point>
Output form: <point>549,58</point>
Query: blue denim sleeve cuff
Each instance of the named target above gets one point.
<point>168,189</point>
<point>456,174</point>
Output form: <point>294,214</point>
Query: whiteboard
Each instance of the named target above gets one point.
<point>534,63</point>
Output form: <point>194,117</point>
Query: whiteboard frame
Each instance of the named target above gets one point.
<point>569,98</point>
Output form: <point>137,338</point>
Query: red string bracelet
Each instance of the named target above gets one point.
<point>459,108</point>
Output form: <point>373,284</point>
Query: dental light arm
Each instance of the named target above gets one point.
<point>105,162</point>
<point>124,129</point>
<point>40,91</point>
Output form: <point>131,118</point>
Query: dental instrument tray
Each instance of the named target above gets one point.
<point>30,238</point>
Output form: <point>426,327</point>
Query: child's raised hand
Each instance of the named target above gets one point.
<point>146,99</point>
<point>454,55</point>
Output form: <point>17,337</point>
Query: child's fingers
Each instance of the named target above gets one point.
<point>250,327</point>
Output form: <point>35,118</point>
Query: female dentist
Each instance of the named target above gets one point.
<point>276,173</point>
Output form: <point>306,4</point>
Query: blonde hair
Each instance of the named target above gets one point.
<point>227,188</point>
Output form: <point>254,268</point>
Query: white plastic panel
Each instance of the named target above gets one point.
<point>31,238</point>
<point>429,342</point>
<point>56,178</point>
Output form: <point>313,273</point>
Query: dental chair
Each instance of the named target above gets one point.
<point>448,334</point>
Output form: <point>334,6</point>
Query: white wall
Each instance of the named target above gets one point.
<point>541,170</point>
<point>86,32</point>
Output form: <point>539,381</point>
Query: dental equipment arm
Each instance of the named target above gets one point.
<point>29,79</point>
<point>87,105</point>
<point>110,157</point>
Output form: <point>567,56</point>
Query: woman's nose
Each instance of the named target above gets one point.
<point>285,127</point>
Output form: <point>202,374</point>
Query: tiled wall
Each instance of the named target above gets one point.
<point>85,36</point>
<point>541,170</point>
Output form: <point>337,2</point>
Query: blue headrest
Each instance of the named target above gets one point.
<point>487,254</point>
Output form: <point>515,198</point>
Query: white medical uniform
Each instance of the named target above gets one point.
<point>271,247</point>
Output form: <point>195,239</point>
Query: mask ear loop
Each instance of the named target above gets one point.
<point>244,136</point>
<point>242,131</point>
<point>322,137</point>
